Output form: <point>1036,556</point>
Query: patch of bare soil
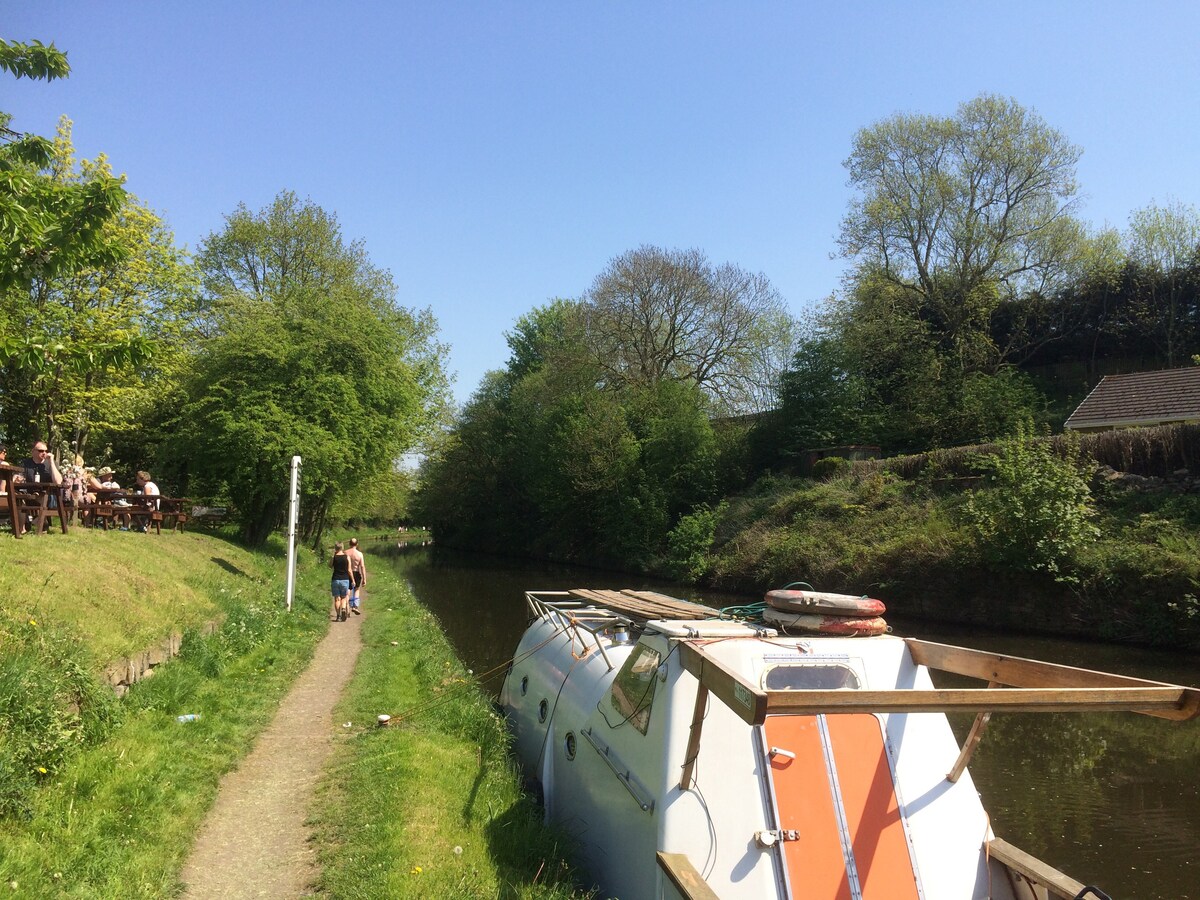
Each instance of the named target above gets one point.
<point>254,842</point>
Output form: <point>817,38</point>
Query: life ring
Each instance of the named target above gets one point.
<point>817,602</point>
<point>839,626</point>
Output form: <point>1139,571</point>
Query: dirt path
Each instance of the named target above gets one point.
<point>254,842</point>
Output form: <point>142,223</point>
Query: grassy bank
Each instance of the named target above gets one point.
<point>910,543</point>
<point>429,806</point>
<point>103,798</point>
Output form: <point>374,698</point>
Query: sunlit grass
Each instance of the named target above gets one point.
<point>430,806</point>
<point>116,818</point>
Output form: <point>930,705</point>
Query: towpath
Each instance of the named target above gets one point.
<point>254,842</point>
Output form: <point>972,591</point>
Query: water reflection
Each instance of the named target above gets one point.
<point>1113,799</point>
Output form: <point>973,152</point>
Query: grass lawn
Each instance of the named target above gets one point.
<point>429,806</point>
<point>100,798</point>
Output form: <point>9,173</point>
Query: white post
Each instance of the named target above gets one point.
<point>293,515</point>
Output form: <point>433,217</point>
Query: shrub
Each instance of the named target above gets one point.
<point>690,540</point>
<point>1037,511</point>
<point>829,467</point>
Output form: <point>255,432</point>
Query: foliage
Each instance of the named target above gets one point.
<point>1037,513</point>
<point>690,540</point>
<point>51,703</point>
<point>828,467</point>
<point>86,349</point>
<point>657,315</point>
<point>965,213</point>
<point>50,227</point>
<point>306,353</point>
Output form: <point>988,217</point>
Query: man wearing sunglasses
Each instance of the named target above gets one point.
<point>39,465</point>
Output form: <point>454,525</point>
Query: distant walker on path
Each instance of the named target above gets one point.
<point>340,583</point>
<point>358,575</point>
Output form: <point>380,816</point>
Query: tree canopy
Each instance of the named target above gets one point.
<point>306,353</point>
<point>50,226</point>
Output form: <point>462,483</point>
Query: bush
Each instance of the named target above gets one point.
<point>1037,512</point>
<point>829,467</point>
<point>690,540</point>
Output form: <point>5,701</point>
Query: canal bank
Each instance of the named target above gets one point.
<point>1113,798</point>
<point>428,805</point>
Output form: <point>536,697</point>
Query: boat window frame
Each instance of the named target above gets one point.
<point>817,663</point>
<point>640,669</point>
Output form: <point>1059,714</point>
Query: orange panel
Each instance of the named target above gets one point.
<point>804,798</point>
<point>880,849</point>
<point>814,862</point>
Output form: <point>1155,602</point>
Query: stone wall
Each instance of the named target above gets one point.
<point>132,669</point>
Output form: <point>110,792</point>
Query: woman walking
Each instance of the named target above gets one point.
<point>340,585</point>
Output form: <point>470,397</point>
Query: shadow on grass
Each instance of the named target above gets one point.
<point>229,567</point>
<point>527,852</point>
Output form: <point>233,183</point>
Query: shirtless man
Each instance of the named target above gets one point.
<point>358,574</point>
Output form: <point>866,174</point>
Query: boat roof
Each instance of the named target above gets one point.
<point>644,606</point>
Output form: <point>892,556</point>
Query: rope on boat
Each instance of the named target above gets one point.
<point>482,678</point>
<point>748,611</point>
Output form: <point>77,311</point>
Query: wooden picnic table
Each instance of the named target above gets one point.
<point>32,499</point>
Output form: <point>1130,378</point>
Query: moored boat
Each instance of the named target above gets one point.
<point>693,756</point>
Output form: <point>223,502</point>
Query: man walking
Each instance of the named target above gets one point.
<point>358,574</point>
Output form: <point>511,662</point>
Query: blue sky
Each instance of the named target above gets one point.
<point>495,155</point>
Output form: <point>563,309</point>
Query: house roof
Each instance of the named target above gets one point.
<point>1142,398</point>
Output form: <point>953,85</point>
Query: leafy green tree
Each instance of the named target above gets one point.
<point>306,353</point>
<point>50,226</point>
<point>1037,510</point>
<point>86,348</point>
<point>1164,242</point>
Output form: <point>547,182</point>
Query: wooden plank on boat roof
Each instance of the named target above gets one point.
<point>644,605</point>
<point>613,600</point>
<point>1015,671</point>
<point>686,608</point>
<point>1124,699</point>
<point>1034,869</point>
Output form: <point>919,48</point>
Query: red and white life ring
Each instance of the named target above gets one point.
<point>818,602</point>
<point>839,626</point>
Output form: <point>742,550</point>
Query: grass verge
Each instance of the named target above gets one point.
<point>113,812</point>
<point>430,806</point>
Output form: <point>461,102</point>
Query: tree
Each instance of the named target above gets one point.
<point>307,353</point>
<point>656,315</point>
<point>1164,242</point>
<point>967,213</point>
<point>51,227</point>
<point>86,347</point>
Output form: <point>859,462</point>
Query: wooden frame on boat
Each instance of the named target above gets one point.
<point>1028,686</point>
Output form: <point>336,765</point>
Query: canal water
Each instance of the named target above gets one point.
<point>1112,800</point>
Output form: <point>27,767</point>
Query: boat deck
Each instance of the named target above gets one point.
<point>643,606</point>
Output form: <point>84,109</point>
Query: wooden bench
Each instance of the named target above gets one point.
<point>32,504</point>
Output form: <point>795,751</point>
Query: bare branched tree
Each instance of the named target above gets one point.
<point>657,314</point>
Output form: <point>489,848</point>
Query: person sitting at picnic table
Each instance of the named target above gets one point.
<point>147,488</point>
<point>108,483</point>
<point>39,466</point>
<point>3,475</point>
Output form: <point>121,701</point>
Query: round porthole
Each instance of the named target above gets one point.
<point>543,708</point>
<point>524,685</point>
<point>569,745</point>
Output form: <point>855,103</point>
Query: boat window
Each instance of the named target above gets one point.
<point>632,691</point>
<point>810,677</point>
